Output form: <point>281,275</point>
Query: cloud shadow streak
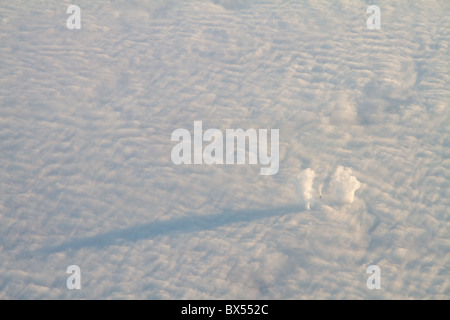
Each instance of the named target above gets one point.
<point>186,224</point>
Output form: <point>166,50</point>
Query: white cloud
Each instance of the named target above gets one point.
<point>305,180</point>
<point>343,186</point>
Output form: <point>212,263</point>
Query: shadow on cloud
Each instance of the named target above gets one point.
<point>187,224</point>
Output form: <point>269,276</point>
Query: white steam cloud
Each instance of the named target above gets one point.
<point>305,187</point>
<point>339,191</point>
<point>343,186</point>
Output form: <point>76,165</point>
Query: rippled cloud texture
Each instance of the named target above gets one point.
<point>86,176</point>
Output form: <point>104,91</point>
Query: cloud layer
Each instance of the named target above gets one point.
<point>85,171</point>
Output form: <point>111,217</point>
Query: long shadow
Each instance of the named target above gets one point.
<point>151,230</point>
